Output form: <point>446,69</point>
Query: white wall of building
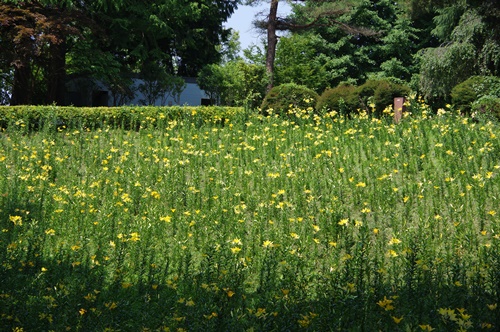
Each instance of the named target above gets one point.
<point>191,96</point>
<point>83,92</point>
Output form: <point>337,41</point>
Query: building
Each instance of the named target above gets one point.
<point>89,92</point>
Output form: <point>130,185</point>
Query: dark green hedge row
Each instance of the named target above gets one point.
<point>127,117</point>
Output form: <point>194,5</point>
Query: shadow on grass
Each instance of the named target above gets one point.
<point>44,290</point>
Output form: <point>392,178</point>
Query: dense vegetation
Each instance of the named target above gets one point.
<point>255,223</point>
<point>322,214</point>
<point>45,42</point>
<point>430,46</point>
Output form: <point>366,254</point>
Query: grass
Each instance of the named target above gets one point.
<point>268,223</point>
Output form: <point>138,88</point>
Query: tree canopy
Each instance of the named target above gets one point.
<point>42,41</point>
<point>431,45</point>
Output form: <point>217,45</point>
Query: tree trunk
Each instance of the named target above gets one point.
<point>21,89</point>
<point>272,41</point>
<point>56,76</point>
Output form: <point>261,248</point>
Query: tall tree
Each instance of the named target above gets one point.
<point>33,38</point>
<point>469,37</point>
<point>308,14</point>
<point>44,38</point>
<point>324,55</point>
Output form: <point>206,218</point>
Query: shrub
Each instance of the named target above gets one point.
<point>289,96</point>
<point>467,92</point>
<point>343,98</point>
<point>486,108</point>
<point>381,93</point>
<point>127,117</point>
<point>347,98</point>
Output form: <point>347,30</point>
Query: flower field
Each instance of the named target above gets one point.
<point>265,224</point>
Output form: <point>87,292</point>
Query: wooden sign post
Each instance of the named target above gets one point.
<point>399,108</point>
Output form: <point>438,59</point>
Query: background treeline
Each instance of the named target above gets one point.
<point>44,42</point>
<point>427,46</point>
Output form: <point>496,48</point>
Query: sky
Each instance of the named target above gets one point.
<point>242,18</point>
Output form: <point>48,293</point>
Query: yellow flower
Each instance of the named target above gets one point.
<point>361,184</point>
<point>111,305</point>
<point>134,237</point>
<point>294,236</point>
<point>392,253</point>
<point>16,220</point>
<point>485,325</point>
<point>386,304</point>
<point>396,319</point>
<point>343,222</point>
<point>394,241</point>
<point>492,306</point>
<point>166,219</point>
<point>50,232</point>
<point>236,241</point>
<point>267,244</point>
<point>235,250</point>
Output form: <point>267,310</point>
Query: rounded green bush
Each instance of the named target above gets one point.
<point>346,98</point>
<point>486,108</point>
<point>467,92</point>
<point>380,92</point>
<point>285,97</point>
<point>343,98</point>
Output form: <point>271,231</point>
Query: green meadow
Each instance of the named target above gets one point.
<point>298,222</point>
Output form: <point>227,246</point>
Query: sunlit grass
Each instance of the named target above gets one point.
<point>266,223</point>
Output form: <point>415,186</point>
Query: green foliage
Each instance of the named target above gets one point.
<point>289,96</point>
<point>486,108</point>
<point>335,57</point>
<point>297,62</point>
<point>443,67</point>
<point>344,98</point>
<point>32,118</point>
<point>468,34</point>
<point>234,83</point>
<point>372,96</point>
<point>259,225</point>
<point>381,93</point>
<point>87,38</point>
<point>469,91</point>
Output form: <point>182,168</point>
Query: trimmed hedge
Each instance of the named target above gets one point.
<point>127,117</point>
<point>346,98</point>
<point>289,96</point>
<point>382,93</point>
<point>343,98</point>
